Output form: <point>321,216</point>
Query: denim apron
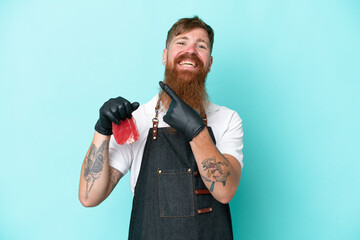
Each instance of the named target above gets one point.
<point>170,200</point>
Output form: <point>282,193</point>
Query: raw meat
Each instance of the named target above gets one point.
<point>126,132</point>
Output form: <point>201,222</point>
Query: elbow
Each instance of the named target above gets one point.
<point>86,203</point>
<point>224,199</point>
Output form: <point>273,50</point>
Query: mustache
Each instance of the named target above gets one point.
<point>192,57</point>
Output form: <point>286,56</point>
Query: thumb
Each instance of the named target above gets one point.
<point>135,105</point>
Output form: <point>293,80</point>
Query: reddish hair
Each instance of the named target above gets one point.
<point>184,25</point>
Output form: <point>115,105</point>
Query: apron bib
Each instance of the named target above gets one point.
<point>170,200</point>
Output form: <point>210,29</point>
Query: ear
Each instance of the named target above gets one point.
<point>164,57</point>
<point>211,62</point>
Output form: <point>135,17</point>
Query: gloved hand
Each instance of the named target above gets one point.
<point>181,116</point>
<point>113,110</point>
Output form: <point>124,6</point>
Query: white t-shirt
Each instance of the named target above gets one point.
<point>225,123</point>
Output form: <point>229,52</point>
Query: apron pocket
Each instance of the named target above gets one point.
<point>176,193</point>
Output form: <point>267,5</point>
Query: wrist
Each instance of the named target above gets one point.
<point>201,136</point>
<point>197,132</point>
<point>101,130</point>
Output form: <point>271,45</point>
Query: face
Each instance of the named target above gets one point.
<point>188,62</point>
<point>189,53</point>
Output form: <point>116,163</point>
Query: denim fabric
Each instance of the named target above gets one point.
<point>176,193</point>
<point>165,204</point>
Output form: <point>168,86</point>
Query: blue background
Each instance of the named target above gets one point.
<point>289,68</point>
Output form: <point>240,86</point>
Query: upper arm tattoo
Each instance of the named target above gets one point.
<point>217,171</point>
<point>94,164</point>
<point>115,176</point>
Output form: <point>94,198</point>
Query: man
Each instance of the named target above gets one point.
<point>186,166</point>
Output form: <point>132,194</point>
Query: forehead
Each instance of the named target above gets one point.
<point>198,34</point>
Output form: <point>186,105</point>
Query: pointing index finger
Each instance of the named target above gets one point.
<point>168,90</point>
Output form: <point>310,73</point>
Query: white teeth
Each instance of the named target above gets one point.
<point>187,63</point>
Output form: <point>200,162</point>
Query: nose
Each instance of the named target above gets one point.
<point>191,49</point>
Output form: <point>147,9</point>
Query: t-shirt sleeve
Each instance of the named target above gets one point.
<point>231,141</point>
<point>120,156</point>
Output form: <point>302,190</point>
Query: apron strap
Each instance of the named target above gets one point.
<point>155,121</point>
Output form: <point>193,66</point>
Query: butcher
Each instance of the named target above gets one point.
<point>184,153</point>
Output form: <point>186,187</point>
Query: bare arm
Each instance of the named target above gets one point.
<point>220,173</point>
<point>97,179</point>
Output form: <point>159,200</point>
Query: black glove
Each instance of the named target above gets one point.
<point>113,110</point>
<point>181,116</point>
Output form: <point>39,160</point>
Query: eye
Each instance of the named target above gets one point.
<point>202,46</point>
<point>180,43</point>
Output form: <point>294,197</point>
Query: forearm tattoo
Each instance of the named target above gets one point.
<point>215,171</point>
<point>94,164</point>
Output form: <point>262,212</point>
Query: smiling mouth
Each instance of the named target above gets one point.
<point>188,63</point>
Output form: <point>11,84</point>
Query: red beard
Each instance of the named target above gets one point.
<point>189,85</point>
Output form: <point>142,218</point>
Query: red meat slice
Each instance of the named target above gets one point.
<point>126,132</point>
